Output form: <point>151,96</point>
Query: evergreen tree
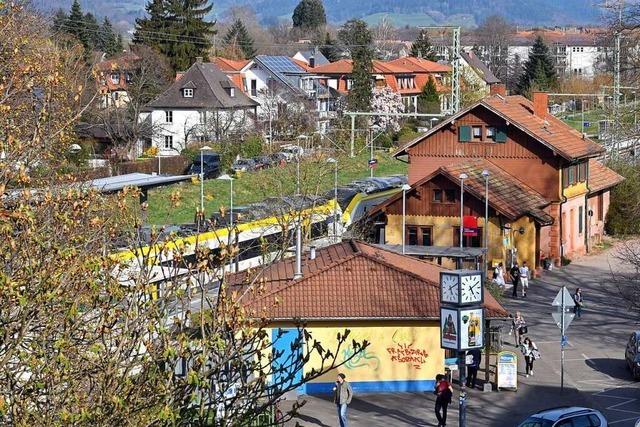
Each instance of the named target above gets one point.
<point>539,71</point>
<point>92,30</point>
<point>238,38</point>
<point>429,100</point>
<point>422,48</point>
<point>177,29</point>
<point>329,48</point>
<point>358,38</point>
<point>60,21</point>
<point>309,15</point>
<point>76,25</point>
<point>109,42</point>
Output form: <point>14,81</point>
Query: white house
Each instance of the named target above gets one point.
<point>203,104</point>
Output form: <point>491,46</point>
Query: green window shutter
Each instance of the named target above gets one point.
<point>501,135</point>
<point>464,133</point>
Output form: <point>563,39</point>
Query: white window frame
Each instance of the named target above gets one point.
<point>168,116</point>
<point>187,92</point>
<point>232,92</point>
<point>117,78</point>
<point>168,142</point>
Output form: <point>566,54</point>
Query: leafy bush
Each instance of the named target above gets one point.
<point>252,146</point>
<point>384,141</point>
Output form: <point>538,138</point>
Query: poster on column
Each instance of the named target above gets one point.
<point>471,328</point>
<point>449,328</point>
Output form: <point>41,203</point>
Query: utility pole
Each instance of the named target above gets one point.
<point>353,135</point>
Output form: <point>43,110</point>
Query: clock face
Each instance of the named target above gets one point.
<point>449,285</point>
<point>471,287</point>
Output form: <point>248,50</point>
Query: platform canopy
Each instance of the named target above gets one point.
<point>143,181</point>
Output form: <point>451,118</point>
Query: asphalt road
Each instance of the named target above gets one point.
<point>595,373</point>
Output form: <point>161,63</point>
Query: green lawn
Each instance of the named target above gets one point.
<point>178,203</point>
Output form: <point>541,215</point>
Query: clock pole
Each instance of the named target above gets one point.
<point>462,412</point>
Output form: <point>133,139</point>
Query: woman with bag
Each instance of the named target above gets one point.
<point>531,353</point>
<point>519,328</point>
<point>444,393</point>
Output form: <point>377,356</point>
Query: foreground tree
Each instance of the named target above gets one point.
<point>422,47</point>
<point>357,38</point>
<point>88,336</point>
<point>309,15</point>
<point>539,70</point>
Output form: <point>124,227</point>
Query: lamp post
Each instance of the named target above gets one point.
<point>405,188</point>
<point>202,150</point>
<point>462,177</point>
<point>485,174</point>
<point>226,177</point>
<point>335,196</point>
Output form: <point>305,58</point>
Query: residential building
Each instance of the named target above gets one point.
<point>476,75</point>
<point>202,104</point>
<point>406,76</point>
<point>311,57</point>
<point>114,76</point>
<point>390,300</point>
<point>544,158</point>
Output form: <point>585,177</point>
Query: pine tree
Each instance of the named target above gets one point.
<point>76,25</point>
<point>238,38</point>
<point>329,48</point>
<point>309,15</point>
<point>110,41</point>
<point>177,29</point>
<point>422,48</point>
<point>356,35</point>
<point>539,71</point>
<point>60,20</point>
<point>429,100</point>
<point>92,30</point>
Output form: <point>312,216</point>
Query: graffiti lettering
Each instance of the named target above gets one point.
<point>363,359</point>
<point>406,353</point>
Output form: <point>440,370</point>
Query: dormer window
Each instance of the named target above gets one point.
<point>187,93</point>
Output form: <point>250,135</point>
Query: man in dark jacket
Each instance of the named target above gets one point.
<point>342,395</point>
<point>443,394</point>
<point>515,278</point>
<point>472,373</point>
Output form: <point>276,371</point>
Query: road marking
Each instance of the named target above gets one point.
<point>623,420</point>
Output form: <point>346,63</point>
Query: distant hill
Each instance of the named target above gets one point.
<point>402,12</point>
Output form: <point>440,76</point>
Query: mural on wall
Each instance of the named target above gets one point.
<point>405,352</point>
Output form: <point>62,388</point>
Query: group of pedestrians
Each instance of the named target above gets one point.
<point>519,276</point>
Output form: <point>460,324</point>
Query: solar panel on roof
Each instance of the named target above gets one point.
<point>281,64</point>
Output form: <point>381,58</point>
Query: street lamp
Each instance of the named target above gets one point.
<point>462,177</point>
<point>202,150</point>
<point>405,188</point>
<point>485,174</point>
<point>335,196</point>
<point>226,177</point>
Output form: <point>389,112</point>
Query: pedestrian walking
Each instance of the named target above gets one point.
<point>342,395</point>
<point>531,353</point>
<point>498,275</point>
<point>444,393</point>
<point>519,328</point>
<point>524,278</point>
<point>515,278</point>
<point>577,299</point>
<point>472,372</point>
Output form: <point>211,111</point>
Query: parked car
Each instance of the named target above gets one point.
<point>566,416</point>
<point>243,165</point>
<point>211,169</point>
<point>632,354</point>
<point>278,158</point>
<point>291,151</point>
<point>263,162</point>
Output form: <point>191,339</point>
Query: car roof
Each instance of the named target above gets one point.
<point>554,414</point>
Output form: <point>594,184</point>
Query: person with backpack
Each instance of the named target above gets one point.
<point>515,278</point>
<point>577,299</point>
<point>444,393</point>
<point>531,353</point>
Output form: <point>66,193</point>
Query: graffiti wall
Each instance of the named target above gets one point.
<point>401,357</point>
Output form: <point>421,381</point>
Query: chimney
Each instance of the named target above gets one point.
<point>540,104</point>
<point>498,89</point>
<point>312,252</point>
<point>312,61</point>
<point>199,59</point>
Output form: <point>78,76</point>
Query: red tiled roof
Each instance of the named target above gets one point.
<point>126,61</point>
<point>507,195</point>
<point>343,66</point>
<point>419,65</point>
<point>349,280</point>
<point>601,177</point>
<point>229,65</point>
<point>518,111</point>
<point>303,64</point>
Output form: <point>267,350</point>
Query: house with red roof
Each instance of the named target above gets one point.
<point>390,300</point>
<point>114,76</point>
<point>547,192</point>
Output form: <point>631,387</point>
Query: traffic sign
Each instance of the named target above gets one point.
<point>568,299</point>
<point>568,318</point>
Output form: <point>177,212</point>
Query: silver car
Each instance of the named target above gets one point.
<point>632,354</point>
<point>566,416</point>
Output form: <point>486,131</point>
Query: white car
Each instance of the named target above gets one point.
<point>566,416</point>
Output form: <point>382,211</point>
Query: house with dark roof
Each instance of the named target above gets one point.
<point>477,77</point>
<point>541,159</point>
<point>390,300</point>
<point>202,104</point>
<point>311,57</point>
